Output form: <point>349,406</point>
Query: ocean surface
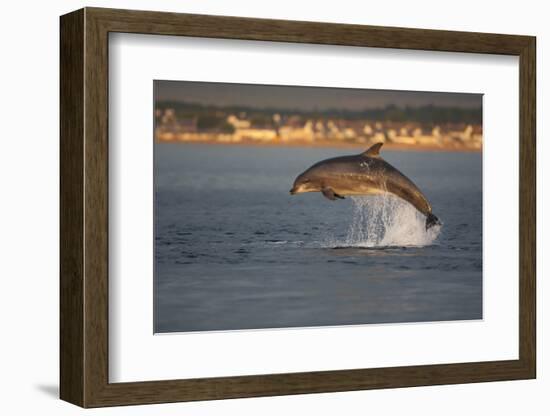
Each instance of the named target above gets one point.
<point>234,250</point>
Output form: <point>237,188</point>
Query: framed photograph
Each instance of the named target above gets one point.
<point>256,207</point>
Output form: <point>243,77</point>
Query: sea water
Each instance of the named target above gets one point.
<point>233,250</point>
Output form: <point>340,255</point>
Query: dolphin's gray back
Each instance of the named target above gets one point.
<point>361,170</point>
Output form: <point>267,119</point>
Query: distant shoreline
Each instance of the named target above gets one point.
<point>333,145</point>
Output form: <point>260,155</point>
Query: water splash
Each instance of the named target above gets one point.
<point>386,221</point>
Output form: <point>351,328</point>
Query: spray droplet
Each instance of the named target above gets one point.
<point>387,221</point>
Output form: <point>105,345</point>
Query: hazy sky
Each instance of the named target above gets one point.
<point>304,98</point>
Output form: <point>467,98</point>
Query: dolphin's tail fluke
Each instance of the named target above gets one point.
<point>431,220</point>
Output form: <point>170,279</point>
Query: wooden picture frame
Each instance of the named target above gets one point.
<point>84,207</point>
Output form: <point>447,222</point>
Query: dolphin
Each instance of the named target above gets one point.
<point>363,174</point>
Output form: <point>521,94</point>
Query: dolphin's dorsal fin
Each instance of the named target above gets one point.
<point>373,151</point>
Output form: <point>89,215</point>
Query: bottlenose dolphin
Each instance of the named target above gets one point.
<point>363,174</point>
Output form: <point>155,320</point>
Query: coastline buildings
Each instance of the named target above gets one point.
<point>277,129</point>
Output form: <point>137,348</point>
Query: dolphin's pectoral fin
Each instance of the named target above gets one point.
<point>330,194</point>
